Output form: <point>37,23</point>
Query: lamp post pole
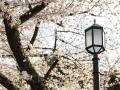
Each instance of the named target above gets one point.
<point>96,72</point>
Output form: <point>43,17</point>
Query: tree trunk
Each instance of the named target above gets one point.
<point>13,38</point>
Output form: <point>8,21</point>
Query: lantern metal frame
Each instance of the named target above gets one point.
<point>95,26</point>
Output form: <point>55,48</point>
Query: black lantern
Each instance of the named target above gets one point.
<point>94,39</point>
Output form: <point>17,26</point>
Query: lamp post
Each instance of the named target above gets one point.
<point>94,43</point>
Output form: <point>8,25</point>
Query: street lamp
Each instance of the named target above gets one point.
<point>94,44</point>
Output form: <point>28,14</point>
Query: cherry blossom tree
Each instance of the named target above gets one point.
<point>44,39</point>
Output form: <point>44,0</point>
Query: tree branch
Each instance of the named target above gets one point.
<point>51,68</point>
<point>34,35</point>
<point>54,49</point>
<point>26,16</point>
<point>7,83</point>
<point>55,59</point>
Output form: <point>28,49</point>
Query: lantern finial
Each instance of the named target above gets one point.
<point>94,21</point>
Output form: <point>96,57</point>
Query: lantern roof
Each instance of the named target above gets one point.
<point>94,26</point>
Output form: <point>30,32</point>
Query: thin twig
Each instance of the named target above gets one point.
<point>54,49</point>
<point>34,35</point>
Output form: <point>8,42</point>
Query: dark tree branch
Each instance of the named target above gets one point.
<point>32,12</point>
<point>0,10</point>
<point>13,38</point>
<point>7,83</point>
<point>34,35</point>
<point>51,68</point>
<point>55,59</point>
<point>54,49</point>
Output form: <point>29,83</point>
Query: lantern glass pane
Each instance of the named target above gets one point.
<point>97,49</point>
<point>88,38</point>
<point>103,39</point>
<point>91,49</point>
<point>101,50</point>
<point>97,36</point>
